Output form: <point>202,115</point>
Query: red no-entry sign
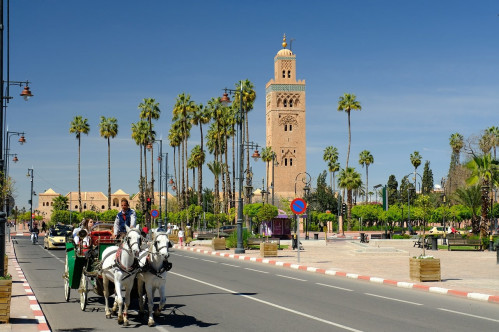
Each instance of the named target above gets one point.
<point>298,206</point>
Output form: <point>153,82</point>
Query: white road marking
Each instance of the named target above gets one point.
<point>161,328</point>
<point>280,275</point>
<point>247,268</point>
<point>392,299</point>
<point>207,260</point>
<point>230,265</point>
<point>336,287</point>
<point>269,303</point>
<point>63,261</point>
<point>469,315</point>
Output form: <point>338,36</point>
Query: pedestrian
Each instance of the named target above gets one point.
<point>126,217</point>
<point>181,236</point>
<point>44,226</point>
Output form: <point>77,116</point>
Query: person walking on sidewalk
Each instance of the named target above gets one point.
<point>181,237</point>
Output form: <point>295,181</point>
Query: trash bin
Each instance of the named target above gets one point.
<point>316,236</point>
<point>294,242</point>
<point>362,237</point>
<point>434,244</point>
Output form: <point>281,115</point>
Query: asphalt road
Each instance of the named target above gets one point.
<point>219,294</point>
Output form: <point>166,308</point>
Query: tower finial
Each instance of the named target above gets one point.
<point>284,44</point>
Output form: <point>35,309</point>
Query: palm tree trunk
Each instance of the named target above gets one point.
<point>227,175</point>
<point>234,166</point>
<point>108,173</point>
<point>200,170</point>
<point>141,182</point>
<point>79,185</point>
<point>174,170</point>
<point>367,183</point>
<point>349,138</point>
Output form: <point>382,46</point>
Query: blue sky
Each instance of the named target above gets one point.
<point>422,70</point>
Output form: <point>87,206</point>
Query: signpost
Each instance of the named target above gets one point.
<point>298,206</point>
<point>154,213</point>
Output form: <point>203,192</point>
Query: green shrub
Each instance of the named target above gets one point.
<point>231,241</point>
<point>403,236</point>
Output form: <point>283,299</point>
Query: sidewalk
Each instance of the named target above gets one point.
<point>472,274</point>
<point>25,312</point>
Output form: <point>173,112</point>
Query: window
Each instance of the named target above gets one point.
<point>285,161</point>
<point>285,103</point>
<point>51,203</point>
<point>283,74</point>
<point>102,207</point>
<point>290,161</point>
<point>291,103</point>
<point>290,127</point>
<point>85,206</point>
<point>285,127</point>
<point>76,206</point>
<point>289,73</point>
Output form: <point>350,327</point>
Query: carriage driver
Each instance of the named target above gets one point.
<point>126,217</point>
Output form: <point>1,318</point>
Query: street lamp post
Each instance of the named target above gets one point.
<point>306,180</point>
<point>376,191</point>
<point>30,174</point>
<point>249,193</point>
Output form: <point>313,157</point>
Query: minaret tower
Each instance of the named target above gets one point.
<point>285,120</point>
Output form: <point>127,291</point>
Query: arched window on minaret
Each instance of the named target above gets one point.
<point>285,127</point>
<point>291,103</point>
<point>285,103</point>
<point>290,127</point>
<point>283,74</point>
<point>290,161</point>
<point>285,161</point>
<point>289,73</point>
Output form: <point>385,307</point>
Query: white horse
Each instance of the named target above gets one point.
<point>154,265</point>
<point>120,265</point>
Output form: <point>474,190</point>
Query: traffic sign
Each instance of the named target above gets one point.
<point>33,215</point>
<point>154,213</point>
<point>298,206</point>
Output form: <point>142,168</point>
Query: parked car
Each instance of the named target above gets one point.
<point>439,230</point>
<point>54,239</point>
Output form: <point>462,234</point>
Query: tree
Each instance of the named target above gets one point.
<point>366,159</point>
<point>471,198</point>
<point>149,110</point>
<point>198,158</point>
<point>483,171</point>
<point>347,103</point>
<point>392,186</point>
<point>493,132</point>
<point>200,116</point>
<point>415,161</point>
<point>331,157</point>
<point>333,167</point>
<point>427,179</point>
<point>456,143</point>
<point>140,134</point>
<point>267,157</point>
<point>79,126</point>
<point>423,202</point>
<point>60,203</point>
<point>350,180</point>
<point>108,128</point>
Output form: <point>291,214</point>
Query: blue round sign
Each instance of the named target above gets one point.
<point>154,213</point>
<point>298,206</point>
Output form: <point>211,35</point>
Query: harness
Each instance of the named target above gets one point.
<point>117,261</point>
<point>166,266</point>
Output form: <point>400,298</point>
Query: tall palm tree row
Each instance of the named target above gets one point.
<point>182,112</point>
<point>331,157</point>
<point>79,126</point>
<point>198,159</point>
<point>149,110</point>
<point>108,128</point>
<point>366,159</point>
<point>200,117</point>
<point>493,133</point>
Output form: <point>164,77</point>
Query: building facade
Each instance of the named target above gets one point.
<point>285,124</point>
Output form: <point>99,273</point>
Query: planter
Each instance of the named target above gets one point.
<point>5,295</point>
<point>173,238</point>
<point>268,249</point>
<point>218,243</point>
<point>424,269</point>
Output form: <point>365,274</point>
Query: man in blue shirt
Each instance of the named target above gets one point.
<point>126,217</point>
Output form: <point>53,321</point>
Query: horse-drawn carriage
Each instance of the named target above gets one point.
<point>80,270</point>
<point>93,268</point>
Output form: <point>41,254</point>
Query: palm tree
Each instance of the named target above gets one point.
<point>216,168</point>
<point>456,142</point>
<point>347,103</point>
<point>200,116</point>
<point>182,112</point>
<point>140,134</point>
<point>149,110</point>
<point>267,157</point>
<point>471,197</point>
<point>366,159</point>
<point>350,180</point>
<point>330,156</point>
<point>198,158</point>
<point>493,133</point>
<point>333,167</point>
<point>108,128</point>
<point>79,126</point>
<point>415,161</point>
<point>483,171</point>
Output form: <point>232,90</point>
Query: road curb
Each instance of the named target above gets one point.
<point>33,302</point>
<point>401,284</point>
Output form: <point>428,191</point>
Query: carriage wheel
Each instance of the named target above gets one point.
<point>67,289</point>
<point>83,292</point>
